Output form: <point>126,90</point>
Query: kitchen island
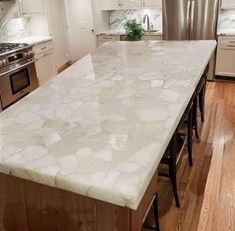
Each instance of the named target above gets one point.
<point>82,151</point>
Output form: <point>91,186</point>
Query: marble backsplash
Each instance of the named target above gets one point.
<point>226,20</point>
<point>12,27</point>
<point>118,18</point>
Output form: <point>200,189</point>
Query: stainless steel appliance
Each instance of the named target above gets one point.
<point>191,20</point>
<point>17,72</point>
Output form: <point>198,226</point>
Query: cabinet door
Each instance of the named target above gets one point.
<point>152,3</point>
<point>45,68</point>
<point>128,4</point>
<point>110,4</point>
<point>228,4</point>
<point>31,7</point>
<point>226,56</point>
<point>152,37</point>
<point>101,39</point>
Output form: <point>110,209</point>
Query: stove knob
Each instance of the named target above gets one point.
<point>4,62</point>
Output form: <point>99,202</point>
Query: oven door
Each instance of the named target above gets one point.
<point>16,83</point>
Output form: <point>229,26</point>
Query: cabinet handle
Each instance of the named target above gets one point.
<point>231,45</point>
<point>43,48</point>
<point>232,41</point>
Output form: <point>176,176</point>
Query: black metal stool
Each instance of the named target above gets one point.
<point>156,216</point>
<point>172,154</point>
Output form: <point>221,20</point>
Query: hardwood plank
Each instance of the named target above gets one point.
<point>207,190</point>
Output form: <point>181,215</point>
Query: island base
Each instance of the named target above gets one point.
<point>26,205</point>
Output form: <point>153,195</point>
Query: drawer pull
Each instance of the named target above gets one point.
<point>231,45</point>
<point>232,41</point>
<point>43,48</point>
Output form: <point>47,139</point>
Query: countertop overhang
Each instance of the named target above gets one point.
<point>101,127</point>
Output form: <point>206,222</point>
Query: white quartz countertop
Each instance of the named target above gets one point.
<point>101,127</point>
<point>120,33</point>
<point>32,40</point>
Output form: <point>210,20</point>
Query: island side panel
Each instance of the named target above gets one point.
<point>12,206</point>
<point>25,205</point>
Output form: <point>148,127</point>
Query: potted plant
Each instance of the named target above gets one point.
<point>134,30</point>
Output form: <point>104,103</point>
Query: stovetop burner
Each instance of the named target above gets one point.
<point>7,47</point>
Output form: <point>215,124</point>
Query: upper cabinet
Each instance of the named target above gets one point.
<point>31,7</point>
<point>129,4</point>
<point>228,4</point>
<point>110,4</point>
<point>152,3</point>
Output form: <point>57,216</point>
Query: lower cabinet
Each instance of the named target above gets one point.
<point>152,37</point>
<point>45,66</point>
<point>101,39</point>
<point>225,64</point>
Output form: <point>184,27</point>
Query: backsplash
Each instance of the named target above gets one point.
<point>226,22</point>
<point>118,18</point>
<point>12,27</point>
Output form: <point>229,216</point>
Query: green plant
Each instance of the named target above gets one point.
<point>134,30</point>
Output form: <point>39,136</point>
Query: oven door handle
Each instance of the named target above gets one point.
<point>19,67</point>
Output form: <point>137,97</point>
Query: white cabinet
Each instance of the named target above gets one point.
<point>129,4</point>
<point>101,39</point>
<point>45,66</point>
<point>225,56</point>
<point>152,3</point>
<point>110,4</point>
<point>152,37</point>
<point>31,7</point>
<point>228,4</point>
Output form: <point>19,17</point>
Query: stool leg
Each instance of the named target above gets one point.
<point>201,103</point>
<point>172,169</point>
<point>156,215</point>
<point>195,118</point>
<point>190,134</point>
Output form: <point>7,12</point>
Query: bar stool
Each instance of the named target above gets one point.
<point>174,150</point>
<point>199,101</point>
<point>156,215</point>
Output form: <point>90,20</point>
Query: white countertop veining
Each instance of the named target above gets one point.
<point>100,128</point>
<point>32,40</point>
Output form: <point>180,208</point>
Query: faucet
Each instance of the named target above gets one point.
<point>148,23</point>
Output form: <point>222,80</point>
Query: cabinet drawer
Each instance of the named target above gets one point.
<point>152,37</point>
<point>107,38</point>
<point>226,40</point>
<point>42,48</point>
<point>101,39</point>
<point>225,61</point>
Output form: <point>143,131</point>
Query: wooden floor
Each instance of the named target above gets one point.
<point>208,196</point>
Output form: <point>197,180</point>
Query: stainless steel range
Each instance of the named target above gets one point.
<point>17,72</point>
